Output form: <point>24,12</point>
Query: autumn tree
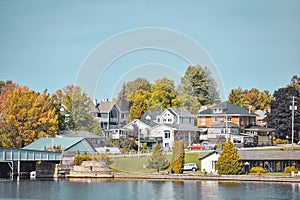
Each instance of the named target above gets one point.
<point>163,94</point>
<point>158,159</point>
<point>177,162</point>
<point>280,116</point>
<point>229,162</point>
<point>252,99</point>
<point>25,116</point>
<point>295,82</point>
<point>130,87</point>
<point>198,82</point>
<point>73,107</point>
<point>140,104</point>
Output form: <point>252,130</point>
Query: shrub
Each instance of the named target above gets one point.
<point>279,141</point>
<point>103,157</point>
<point>81,157</point>
<point>125,150</point>
<point>258,170</point>
<point>290,169</point>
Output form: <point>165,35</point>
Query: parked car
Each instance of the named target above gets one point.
<point>190,167</point>
<point>196,146</point>
<point>208,145</point>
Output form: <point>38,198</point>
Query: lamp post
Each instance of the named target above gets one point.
<point>135,123</point>
<point>293,108</point>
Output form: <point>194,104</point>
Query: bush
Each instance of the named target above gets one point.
<point>103,157</point>
<point>290,169</point>
<point>81,157</point>
<point>279,141</point>
<point>258,170</point>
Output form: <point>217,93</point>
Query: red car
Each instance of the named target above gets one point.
<point>196,147</point>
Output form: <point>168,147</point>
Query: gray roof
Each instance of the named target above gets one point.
<point>123,105</point>
<point>182,112</point>
<point>183,127</point>
<point>258,128</point>
<point>227,108</point>
<point>269,155</point>
<point>224,125</point>
<point>152,117</point>
<point>83,134</point>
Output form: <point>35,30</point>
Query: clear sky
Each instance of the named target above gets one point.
<point>43,44</point>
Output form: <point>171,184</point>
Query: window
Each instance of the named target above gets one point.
<point>167,134</point>
<point>214,119</point>
<point>229,119</point>
<point>167,144</point>
<point>203,120</point>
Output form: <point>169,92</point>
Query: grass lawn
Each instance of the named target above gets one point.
<point>271,174</point>
<point>138,165</point>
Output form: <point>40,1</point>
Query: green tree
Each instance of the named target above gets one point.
<point>25,116</point>
<point>158,159</point>
<point>73,107</point>
<point>163,94</point>
<point>198,82</point>
<point>295,82</point>
<point>177,162</point>
<point>229,162</point>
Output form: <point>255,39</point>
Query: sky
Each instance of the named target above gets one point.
<point>51,44</point>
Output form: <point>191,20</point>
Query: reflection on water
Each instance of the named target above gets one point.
<point>144,189</point>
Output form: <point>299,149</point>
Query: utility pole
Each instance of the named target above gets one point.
<point>293,108</point>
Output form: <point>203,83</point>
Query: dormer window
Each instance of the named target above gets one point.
<point>217,110</point>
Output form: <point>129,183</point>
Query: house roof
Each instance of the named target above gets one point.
<point>105,106</point>
<point>258,128</point>
<point>269,155</point>
<point>64,142</point>
<point>182,112</point>
<point>123,105</point>
<point>149,117</point>
<point>224,125</point>
<point>184,127</point>
<point>83,134</point>
<point>227,108</point>
<point>207,154</point>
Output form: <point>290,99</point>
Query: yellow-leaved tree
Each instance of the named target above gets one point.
<point>25,116</point>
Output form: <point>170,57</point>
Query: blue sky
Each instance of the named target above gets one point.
<point>252,43</point>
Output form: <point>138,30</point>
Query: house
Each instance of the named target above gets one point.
<point>92,138</point>
<point>108,114</point>
<point>208,162</point>
<point>226,119</point>
<point>62,144</point>
<point>163,134</point>
<point>176,116</point>
<point>271,160</point>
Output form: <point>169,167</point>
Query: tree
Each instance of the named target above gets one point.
<point>251,99</point>
<point>25,116</point>
<point>295,82</point>
<point>130,87</point>
<point>140,104</point>
<point>177,162</point>
<point>163,94</point>
<point>280,116</point>
<point>158,159</point>
<point>229,162</point>
<point>73,107</point>
<point>198,82</point>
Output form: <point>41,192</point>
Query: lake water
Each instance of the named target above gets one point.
<point>145,189</point>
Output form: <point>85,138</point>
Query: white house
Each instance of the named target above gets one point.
<point>138,126</point>
<point>164,134</point>
<point>208,162</point>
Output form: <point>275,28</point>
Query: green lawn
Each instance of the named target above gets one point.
<point>138,165</point>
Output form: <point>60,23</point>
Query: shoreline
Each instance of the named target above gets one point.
<point>245,178</point>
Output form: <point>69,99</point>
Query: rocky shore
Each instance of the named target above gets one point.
<point>283,179</point>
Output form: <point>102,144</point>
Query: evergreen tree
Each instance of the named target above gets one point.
<point>280,117</point>
<point>177,162</point>
<point>229,162</point>
<point>158,159</point>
